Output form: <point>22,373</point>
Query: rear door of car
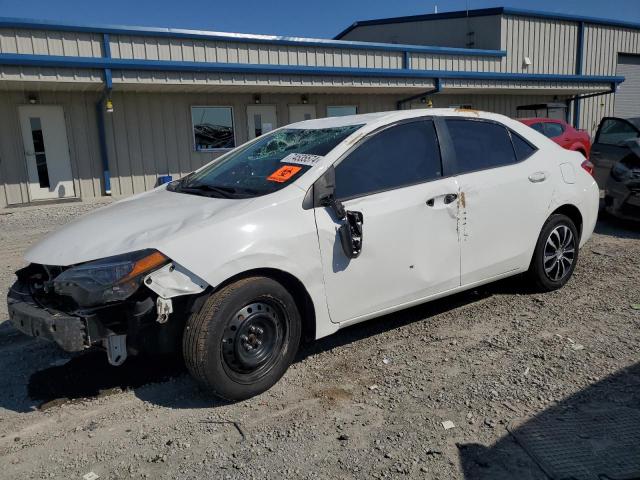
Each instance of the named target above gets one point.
<point>505,190</point>
<point>610,146</point>
<point>410,249</point>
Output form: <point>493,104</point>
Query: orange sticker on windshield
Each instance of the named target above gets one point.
<point>284,174</point>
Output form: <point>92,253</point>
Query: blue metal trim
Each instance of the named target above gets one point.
<point>579,55</point>
<point>243,38</point>
<point>162,65</point>
<point>484,12</point>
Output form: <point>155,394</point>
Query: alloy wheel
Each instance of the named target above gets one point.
<point>559,253</point>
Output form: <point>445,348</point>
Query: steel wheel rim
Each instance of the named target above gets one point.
<point>253,340</point>
<point>559,253</point>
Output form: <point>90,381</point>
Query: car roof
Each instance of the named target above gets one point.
<point>381,118</point>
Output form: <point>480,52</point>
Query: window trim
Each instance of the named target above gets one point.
<point>454,161</point>
<point>381,129</point>
<point>533,147</point>
<point>597,137</point>
<point>193,130</point>
<point>339,106</point>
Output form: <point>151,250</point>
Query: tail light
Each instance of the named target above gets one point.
<point>588,166</point>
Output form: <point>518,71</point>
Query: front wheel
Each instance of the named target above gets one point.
<point>556,253</point>
<point>243,338</point>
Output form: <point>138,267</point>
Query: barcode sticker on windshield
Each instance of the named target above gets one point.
<point>301,159</point>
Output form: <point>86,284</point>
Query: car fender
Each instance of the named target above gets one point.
<point>281,237</point>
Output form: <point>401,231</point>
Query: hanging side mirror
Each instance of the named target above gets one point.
<point>351,234</point>
<point>350,231</point>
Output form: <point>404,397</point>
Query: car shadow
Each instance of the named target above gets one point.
<point>58,377</point>
<point>591,435</point>
<point>617,227</point>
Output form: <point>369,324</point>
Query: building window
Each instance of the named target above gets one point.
<point>341,110</point>
<point>212,128</point>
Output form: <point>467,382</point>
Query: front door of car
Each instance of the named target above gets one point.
<point>505,192</point>
<point>610,146</point>
<point>410,242</point>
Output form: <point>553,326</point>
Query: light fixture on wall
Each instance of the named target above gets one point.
<point>108,105</point>
<point>304,99</point>
<point>33,98</point>
<point>257,99</point>
<point>526,62</point>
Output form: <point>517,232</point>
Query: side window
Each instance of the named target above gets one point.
<point>398,156</point>
<point>523,148</point>
<point>539,127</point>
<point>614,131</point>
<point>480,145</point>
<point>554,129</point>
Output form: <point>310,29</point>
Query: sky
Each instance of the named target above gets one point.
<point>319,19</point>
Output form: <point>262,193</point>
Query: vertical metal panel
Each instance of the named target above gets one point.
<point>44,42</point>
<point>158,48</point>
<point>549,44</point>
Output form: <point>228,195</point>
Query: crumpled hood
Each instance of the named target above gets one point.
<point>142,221</point>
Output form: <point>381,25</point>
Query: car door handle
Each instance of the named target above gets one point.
<point>446,199</point>
<point>537,177</point>
<point>449,198</point>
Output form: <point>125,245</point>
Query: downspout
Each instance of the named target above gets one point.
<point>100,111</point>
<point>436,89</point>
<point>579,52</point>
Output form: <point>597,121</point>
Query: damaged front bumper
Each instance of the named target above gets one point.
<point>72,333</point>
<point>119,329</point>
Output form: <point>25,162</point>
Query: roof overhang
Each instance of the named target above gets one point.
<point>128,74</point>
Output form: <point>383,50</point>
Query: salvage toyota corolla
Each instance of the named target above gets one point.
<point>303,231</point>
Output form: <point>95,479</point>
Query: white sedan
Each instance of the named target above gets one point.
<point>303,231</point>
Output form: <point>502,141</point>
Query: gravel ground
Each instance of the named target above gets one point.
<point>368,402</point>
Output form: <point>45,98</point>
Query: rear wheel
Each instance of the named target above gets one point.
<point>243,338</point>
<point>556,253</point>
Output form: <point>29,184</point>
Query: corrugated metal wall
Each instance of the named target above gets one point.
<point>82,134</point>
<point>189,50</point>
<point>549,44</point>
<point>46,42</point>
<point>602,46</point>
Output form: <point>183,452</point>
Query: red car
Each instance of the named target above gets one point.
<point>562,133</point>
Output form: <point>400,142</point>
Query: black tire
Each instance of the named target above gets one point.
<point>243,338</point>
<point>549,272</point>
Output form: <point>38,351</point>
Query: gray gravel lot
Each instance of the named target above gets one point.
<point>368,402</point>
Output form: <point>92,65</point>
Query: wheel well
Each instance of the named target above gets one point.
<point>297,290</point>
<point>573,213</point>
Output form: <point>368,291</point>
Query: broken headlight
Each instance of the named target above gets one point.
<point>109,279</point>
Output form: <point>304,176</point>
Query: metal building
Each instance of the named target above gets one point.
<point>92,110</point>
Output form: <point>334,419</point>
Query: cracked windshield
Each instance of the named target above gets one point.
<point>265,166</point>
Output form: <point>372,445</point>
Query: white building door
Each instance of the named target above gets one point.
<point>299,113</point>
<point>46,151</point>
<point>261,119</point>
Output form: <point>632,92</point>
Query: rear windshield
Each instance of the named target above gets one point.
<point>265,166</point>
